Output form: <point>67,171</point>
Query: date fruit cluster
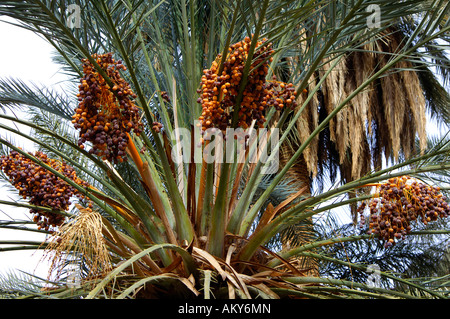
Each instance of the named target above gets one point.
<point>218,92</point>
<point>106,114</point>
<point>42,187</point>
<point>400,202</point>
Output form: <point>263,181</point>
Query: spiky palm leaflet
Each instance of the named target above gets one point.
<point>165,46</point>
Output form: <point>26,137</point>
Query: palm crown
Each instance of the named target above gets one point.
<point>155,84</point>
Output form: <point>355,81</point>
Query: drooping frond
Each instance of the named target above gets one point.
<point>154,220</point>
<point>383,119</point>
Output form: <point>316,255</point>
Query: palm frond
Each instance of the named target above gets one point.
<point>16,93</point>
<point>226,229</point>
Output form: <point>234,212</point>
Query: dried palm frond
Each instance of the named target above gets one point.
<point>385,117</point>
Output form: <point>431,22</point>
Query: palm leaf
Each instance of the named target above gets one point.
<point>227,229</point>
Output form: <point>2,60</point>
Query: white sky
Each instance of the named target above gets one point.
<point>27,57</point>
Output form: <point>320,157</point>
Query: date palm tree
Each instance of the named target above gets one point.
<point>116,182</point>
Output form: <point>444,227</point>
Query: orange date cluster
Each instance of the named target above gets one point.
<point>218,92</point>
<point>400,202</point>
<point>106,114</point>
<point>42,187</point>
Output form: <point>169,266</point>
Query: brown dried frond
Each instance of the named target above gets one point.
<point>83,237</point>
<point>389,112</point>
<point>306,123</point>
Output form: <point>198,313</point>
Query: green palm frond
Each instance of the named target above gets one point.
<point>16,285</point>
<point>227,230</point>
<point>14,93</point>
